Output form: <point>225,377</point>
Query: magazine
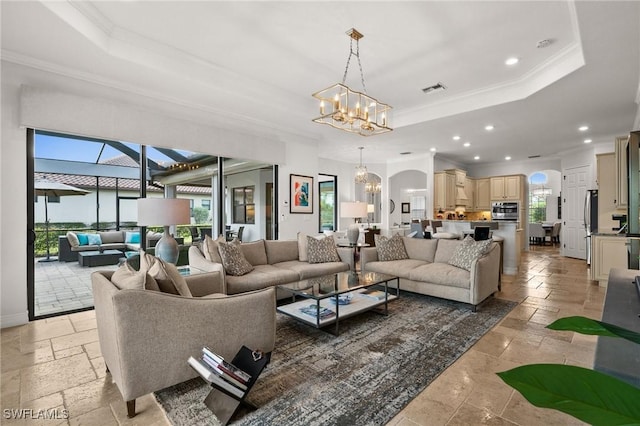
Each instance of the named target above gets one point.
<point>314,311</point>
<point>373,294</point>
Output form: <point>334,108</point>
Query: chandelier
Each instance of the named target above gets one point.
<point>361,170</point>
<point>373,187</point>
<point>349,110</point>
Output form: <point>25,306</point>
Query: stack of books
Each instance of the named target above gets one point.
<point>314,311</point>
<point>373,294</point>
<point>214,369</point>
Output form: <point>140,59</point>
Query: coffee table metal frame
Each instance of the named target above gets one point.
<point>333,286</point>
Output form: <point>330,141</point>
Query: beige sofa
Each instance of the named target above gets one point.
<point>274,261</point>
<point>146,337</point>
<point>427,270</point>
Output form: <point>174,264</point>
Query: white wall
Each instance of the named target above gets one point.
<point>83,208</point>
<point>71,106</point>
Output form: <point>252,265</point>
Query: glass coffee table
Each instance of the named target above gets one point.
<point>325,300</point>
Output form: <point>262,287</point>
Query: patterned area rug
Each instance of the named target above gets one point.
<point>364,376</point>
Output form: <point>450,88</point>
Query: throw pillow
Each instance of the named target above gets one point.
<point>127,278</point>
<point>468,251</point>
<point>73,239</point>
<point>132,238</point>
<point>233,259</point>
<point>390,248</point>
<point>94,239</point>
<point>303,250</point>
<point>210,248</point>
<point>322,250</point>
<point>83,239</point>
<point>165,274</point>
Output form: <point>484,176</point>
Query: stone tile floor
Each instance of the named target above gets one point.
<point>63,286</point>
<point>56,363</point>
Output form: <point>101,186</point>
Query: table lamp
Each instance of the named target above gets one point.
<point>354,210</point>
<point>165,212</point>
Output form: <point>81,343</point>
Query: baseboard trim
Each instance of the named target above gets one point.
<point>13,320</point>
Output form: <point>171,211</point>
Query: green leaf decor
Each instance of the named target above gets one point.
<point>590,396</point>
<point>588,326</point>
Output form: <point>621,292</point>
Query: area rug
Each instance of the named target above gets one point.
<point>364,376</point>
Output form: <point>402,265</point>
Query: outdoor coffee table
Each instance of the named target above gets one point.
<point>325,300</point>
<point>99,258</point>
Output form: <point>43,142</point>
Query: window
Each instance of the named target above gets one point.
<point>53,199</point>
<point>206,204</point>
<point>191,207</point>
<point>538,197</point>
<point>327,205</point>
<point>244,209</point>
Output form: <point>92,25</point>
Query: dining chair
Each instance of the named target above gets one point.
<point>555,233</point>
<point>537,234</point>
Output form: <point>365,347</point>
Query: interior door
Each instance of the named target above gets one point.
<point>574,187</point>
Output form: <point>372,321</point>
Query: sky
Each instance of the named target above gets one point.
<point>60,148</point>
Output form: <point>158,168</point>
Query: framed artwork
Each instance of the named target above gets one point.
<point>301,194</point>
<point>406,208</point>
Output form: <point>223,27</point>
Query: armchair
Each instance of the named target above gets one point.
<point>146,336</point>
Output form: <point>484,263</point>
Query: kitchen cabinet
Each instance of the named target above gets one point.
<point>607,194</point>
<point>621,171</point>
<point>507,188</point>
<point>607,252</point>
<point>470,190</point>
<point>482,194</point>
<point>444,191</point>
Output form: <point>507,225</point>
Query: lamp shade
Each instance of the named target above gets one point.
<point>163,211</point>
<point>353,209</point>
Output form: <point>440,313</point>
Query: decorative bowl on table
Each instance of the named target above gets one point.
<point>343,299</point>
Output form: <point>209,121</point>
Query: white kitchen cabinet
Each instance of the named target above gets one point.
<point>507,188</point>
<point>607,252</point>
<point>483,194</point>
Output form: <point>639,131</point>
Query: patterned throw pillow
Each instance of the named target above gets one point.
<point>468,251</point>
<point>233,259</point>
<point>94,239</point>
<point>321,250</point>
<point>390,248</point>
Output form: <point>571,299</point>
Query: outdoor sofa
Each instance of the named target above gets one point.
<point>428,266</point>
<point>72,243</point>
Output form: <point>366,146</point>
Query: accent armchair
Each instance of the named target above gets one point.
<point>146,337</point>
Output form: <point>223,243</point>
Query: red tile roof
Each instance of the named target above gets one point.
<point>89,182</point>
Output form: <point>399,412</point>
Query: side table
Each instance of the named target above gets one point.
<point>355,252</point>
<point>223,403</point>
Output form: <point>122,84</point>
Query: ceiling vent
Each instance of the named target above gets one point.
<point>435,87</point>
<point>544,43</point>
<point>534,156</point>
<point>406,153</point>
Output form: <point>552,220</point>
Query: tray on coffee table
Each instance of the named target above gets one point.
<point>325,300</point>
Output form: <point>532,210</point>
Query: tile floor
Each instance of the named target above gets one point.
<point>63,286</point>
<point>56,363</point>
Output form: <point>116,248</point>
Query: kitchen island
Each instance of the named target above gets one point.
<point>510,232</point>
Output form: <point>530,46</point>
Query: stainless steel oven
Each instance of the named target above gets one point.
<point>505,211</point>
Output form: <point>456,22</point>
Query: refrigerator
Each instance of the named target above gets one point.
<point>590,218</point>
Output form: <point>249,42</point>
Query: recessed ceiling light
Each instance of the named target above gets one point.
<point>507,158</point>
<point>466,144</point>
<point>456,138</point>
<point>477,157</point>
<point>512,61</point>
<point>588,141</point>
<point>583,128</point>
<point>488,127</point>
<point>432,150</point>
